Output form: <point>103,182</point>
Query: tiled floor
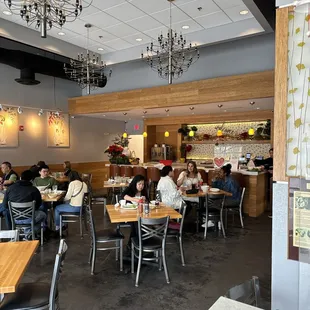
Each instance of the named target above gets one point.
<point>212,266</point>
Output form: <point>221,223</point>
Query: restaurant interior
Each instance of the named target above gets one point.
<point>153,154</point>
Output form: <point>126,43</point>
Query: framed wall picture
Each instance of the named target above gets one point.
<point>8,128</point>
<point>58,134</point>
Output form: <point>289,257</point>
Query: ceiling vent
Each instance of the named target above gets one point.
<point>27,77</point>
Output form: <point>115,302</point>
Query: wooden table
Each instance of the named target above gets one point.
<point>14,260</point>
<point>114,185</point>
<point>62,179</point>
<point>45,198</point>
<point>224,303</point>
<point>119,215</point>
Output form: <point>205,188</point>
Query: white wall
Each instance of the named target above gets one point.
<point>136,143</point>
<point>88,135</point>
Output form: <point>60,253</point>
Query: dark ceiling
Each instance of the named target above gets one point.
<point>268,9</point>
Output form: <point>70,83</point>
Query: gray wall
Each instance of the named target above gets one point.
<point>290,279</point>
<point>284,2</point>
<point>88,136</point>
<point>242,56</point>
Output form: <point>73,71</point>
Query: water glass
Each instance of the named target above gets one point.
<point>54,188</point>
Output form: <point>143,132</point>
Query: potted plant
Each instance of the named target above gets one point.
<point>114,151</point>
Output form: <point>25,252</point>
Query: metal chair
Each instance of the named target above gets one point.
<point>176,231</point>
<point>75,217</point>
<point>247,292</point>
<point>102,237</point>
<point>153,175</point>
<point>237,209</point>
<point>11,235</point>
<point>38,295</point>
<point>1,216</point>
<point>87,178</point>
<point>151,239</point>
<point>24,211</point>
<point>214,211</point>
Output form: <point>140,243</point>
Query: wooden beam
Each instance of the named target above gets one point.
<point>280,104</point>
<point>211,118</point>
<point>222,89</point>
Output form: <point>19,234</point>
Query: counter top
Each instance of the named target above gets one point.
<point>228,304</point>
<point>183,166</point>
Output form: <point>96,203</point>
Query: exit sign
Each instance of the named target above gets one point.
<point>136,127</point>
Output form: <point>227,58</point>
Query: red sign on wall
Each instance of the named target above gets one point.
<point>136,127</point>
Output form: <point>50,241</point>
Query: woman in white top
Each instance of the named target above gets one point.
<point>73,199</point>
<point>168,190</point>
<point>190,176</point>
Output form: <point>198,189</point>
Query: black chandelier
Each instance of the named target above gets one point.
<point>46,13</point>
<point>170,57</point>
<point>88,71</point>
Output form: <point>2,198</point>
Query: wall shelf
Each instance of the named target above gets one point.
<point>229,142</point>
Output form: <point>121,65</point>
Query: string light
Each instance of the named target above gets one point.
<point>191,133</point>
<point>251,132</point>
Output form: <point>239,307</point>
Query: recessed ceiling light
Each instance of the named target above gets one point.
<point>100,49</point>
<point>103,115</point>
<point>244,12</point>
<point>185,27</point>
<point>257,108</point>
<point>8,13</point>
<point>61,33</point>
<point>139,39</point>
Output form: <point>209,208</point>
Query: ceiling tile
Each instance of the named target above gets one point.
<point>164,16</point>
<point>193,26</point>
<point>88,10</point>
<point>78,27</point>
<point>225,4</point>
<point>213,20</point>
<point>101,20</point>
<point>105,36</point>
<point>133,41</point>
<point>208,7</point>
<point>55,30</point>
<point>106,4</point>
<point>118,44</point>
<point>125,12</point>
<point>105,49</point>
<point>149,6</point>
<point>121,30</point>
<point>154,33</point>
<point>234,13</point>
<point>144,23</point>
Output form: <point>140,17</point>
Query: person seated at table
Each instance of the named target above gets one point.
<point>24,191</point>
<point>67,168</point>
<point>44,180</point>
<point>74,198</point>
<point>168,190</point>
<point>35,169</point>
<point>225,182</point>
<point>135,190</point>
<point>190,176</point>
<point>9,175</point>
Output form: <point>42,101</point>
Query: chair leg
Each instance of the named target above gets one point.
<point>132,258</point>
<point>181,250</point>
<point>81,228</point>
<point>163,254</point>
<point>93,261</point>
<point>241,219</point>
<point>139,266</point>
<point>222,224</point>
<point>121,255</point>
<point>197,220</point>
<point>90,254</point>
<point>116,251</point>
<point>105,206</point>
<point>42,239</point>
<point>60,227</point>
<point>160,261</point>
<point>226,212</point>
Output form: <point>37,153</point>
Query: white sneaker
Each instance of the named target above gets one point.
<point>210,224</point>
<point>219,225</point>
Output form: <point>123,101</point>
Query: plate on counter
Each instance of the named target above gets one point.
<point>129,206</point>
<point>214,190</point>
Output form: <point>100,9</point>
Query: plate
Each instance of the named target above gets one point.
<point>129,206</point>
<point>214,190</point>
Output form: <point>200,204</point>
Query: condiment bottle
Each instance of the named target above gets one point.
<point>140,205</point>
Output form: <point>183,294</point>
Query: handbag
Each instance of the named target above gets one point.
<point>192,191</point>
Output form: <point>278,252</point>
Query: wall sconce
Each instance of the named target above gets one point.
<point>191,133</point>
<point>125,135</point>
<point>219,133</point>
<point>19,110</point>
<point>167,134</point>
<point>251,132</point>
<point>40,113</point>
<point>144,134</point>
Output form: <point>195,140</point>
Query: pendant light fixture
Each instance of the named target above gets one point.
<point>251,132</point>
<point>191,133</point>
<point>144,134</point>
<point>167,134</point>
<point>125,135</point>
<point>219,133</point>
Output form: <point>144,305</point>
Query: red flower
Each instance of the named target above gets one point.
<point>188,148</point>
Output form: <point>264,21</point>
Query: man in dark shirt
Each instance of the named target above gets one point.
<point>36,168</point>
<point>24,191</point>
<point>9,175</point>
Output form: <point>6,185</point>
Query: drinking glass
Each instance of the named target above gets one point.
<point>54,188</point>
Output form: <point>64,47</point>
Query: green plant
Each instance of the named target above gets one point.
<point>183,150</point>
<point>120,140</point>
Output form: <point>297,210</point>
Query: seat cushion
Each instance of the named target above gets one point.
<point>108,235</point>
<point>98,193</point>
<point>174,225</point>
<point>149,244</point>
<point>28,296</point>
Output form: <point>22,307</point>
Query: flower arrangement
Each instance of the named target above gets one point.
<point>114,150</point>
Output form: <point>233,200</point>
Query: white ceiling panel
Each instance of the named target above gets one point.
<point>106,4</point>
<point>234,13</point>
<point>164,16</point>
<point>118,44</point>
<point>132,39</point>
<point>78,27</point>
<point>225,4</point>
<point>121,30</point>
<point>94,47</point>
<point>193,26</point>
<point>213,20</point>
<point>88,11</point>
<point>154,33</point>
<point>151,6</point>
<point>207,7</point>
<point>125,12</point>
<point>105,36</point>
<point>101,20</point>
<point>146,23</point>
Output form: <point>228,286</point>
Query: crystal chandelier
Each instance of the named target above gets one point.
<point>46,13</point>
<point>88,70</point>
<point>170,57</point>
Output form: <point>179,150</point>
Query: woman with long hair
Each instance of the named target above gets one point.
<point>168,190</point>
<point>190,176</point>
<point>135,190</point>
<point>67,168</point>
